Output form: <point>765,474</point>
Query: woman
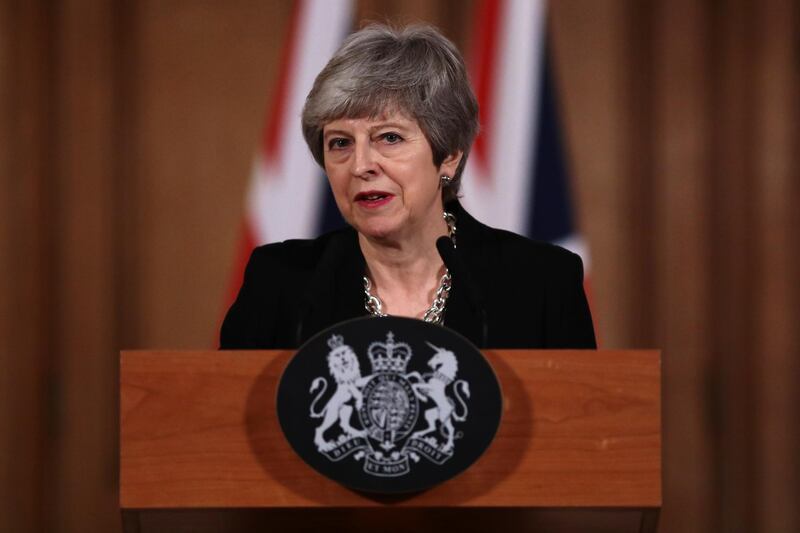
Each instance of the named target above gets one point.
<point>391,119</point>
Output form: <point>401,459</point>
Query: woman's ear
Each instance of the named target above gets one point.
<point>450,164</point>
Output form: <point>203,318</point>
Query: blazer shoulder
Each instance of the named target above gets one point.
<point>522,250</point>
<point>534,293</point>
<point>286,255</point>
<point>270,301</point>
<point>294,255</point>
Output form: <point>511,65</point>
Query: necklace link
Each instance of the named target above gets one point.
<point>373,304</point>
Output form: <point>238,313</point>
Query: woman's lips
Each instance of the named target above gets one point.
<point>373,199</point>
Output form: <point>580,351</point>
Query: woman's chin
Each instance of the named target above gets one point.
<point>378,229</point>
<point>377,233</point>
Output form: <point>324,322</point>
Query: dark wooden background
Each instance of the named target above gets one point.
<point>127,132</point>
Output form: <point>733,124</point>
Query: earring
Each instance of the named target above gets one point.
<point>446,180</point>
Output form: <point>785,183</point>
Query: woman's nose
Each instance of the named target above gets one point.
<point>364,164</point>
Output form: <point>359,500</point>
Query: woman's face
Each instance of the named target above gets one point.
<point>382,175</point>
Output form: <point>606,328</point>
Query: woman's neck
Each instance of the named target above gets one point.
<point>406,273</point>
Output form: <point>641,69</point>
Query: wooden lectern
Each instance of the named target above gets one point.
<point>579,449</point>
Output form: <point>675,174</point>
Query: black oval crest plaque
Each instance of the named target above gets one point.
<point>389,405</point>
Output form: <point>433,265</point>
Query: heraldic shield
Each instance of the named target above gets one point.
<point>389,405</point>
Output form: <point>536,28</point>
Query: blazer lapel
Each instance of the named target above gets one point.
<point>335,292</point>
<point>348,284</point>
<point>467,308</point>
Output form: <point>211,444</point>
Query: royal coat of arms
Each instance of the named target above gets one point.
<point>375,419</point>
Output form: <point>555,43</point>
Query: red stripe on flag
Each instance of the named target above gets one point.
<point>483,69</point>
<point>274,128</point>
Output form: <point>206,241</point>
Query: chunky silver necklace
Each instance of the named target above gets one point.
<point>435,313</point>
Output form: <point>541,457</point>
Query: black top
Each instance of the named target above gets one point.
<point>507,291</point>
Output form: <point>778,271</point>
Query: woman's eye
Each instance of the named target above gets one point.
<point>391,138</point>
<point>337,143</point>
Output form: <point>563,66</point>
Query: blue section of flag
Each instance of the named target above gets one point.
<point>550,213</point>
<point>330,218</point>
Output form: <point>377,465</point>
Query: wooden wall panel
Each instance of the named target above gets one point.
<point>26,359</point>
<point>776,304</point>
<point>84,472</point>
<point>679,299</point>
<point>730,211</point>
<point>453,17</point>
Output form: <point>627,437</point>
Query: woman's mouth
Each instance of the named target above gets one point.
<point>372,199</point>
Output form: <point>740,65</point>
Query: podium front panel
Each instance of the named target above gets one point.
<point>580,429</point>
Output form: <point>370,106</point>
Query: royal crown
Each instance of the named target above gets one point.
<point>389,356</point>
<point>335,341</point>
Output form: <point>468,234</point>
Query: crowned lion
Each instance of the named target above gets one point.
<point>344,368</point>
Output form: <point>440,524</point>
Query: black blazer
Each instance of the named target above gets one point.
<point>507,292</point>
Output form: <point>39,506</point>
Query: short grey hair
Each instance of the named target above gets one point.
<point>414,70</point>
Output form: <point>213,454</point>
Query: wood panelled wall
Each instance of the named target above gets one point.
<point>126,140</point>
